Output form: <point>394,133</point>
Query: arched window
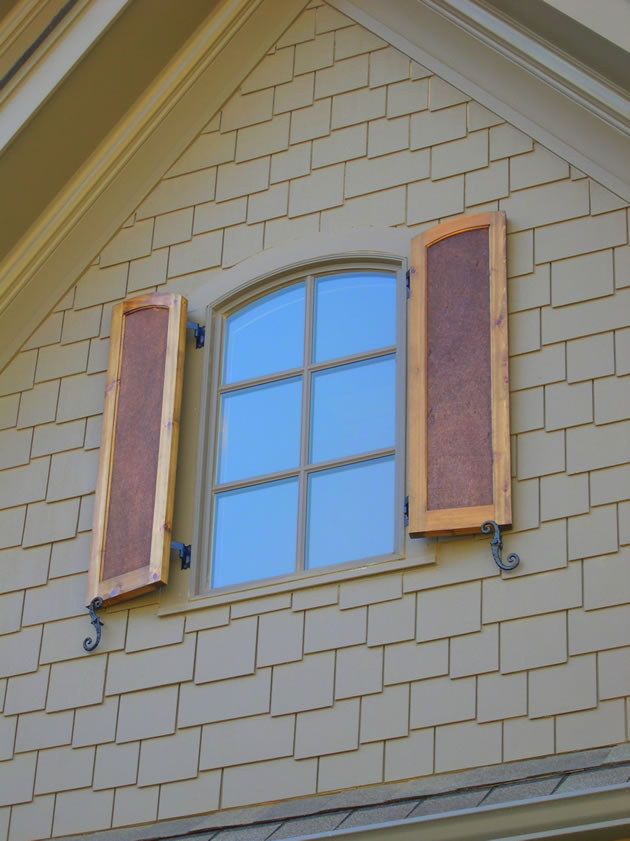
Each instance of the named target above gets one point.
<point>306,437</point>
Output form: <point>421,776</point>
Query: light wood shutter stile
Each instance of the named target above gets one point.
<point>135,487</point>
<point>459,442</point>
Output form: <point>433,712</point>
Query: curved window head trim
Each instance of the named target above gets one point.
<point>390,245</point>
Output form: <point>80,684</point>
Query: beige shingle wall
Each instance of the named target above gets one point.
<point>434,669</point>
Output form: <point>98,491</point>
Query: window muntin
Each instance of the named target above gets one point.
<point>274,511</point>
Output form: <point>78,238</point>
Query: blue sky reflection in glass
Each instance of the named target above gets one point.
<point>350,512</point>
<point>260,429</point>
<point>353,408</point>
<point>255,532</point>
<point>354,312</point>
<point>265,336</point>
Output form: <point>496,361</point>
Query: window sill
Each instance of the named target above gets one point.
<point>175,599</point>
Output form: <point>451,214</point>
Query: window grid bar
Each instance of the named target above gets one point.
<point>401,413</point>
<point>217,373</point>
<point>355,458</point>
<point>305,427</point>
<point>308,368</point>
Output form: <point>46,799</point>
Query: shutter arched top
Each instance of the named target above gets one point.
<point>459,443</point>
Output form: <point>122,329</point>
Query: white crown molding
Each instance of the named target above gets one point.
<point>57,249</point>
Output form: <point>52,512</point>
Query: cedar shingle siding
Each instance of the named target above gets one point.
<point>380,680</point>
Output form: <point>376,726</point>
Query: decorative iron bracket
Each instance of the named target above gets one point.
<point>199,331</point>
<point>496,544</point>
<point>90,644</point>
<point>184,552</point>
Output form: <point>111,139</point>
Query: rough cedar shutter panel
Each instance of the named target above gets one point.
<point>136,473</point>
<point>459,462</point>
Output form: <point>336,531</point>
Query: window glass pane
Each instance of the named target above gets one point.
<point>354,312</point>
<point>265,336</point>
<point>353,408</point>
<point>254,532</point>
<point>350,512</point>
<point>259,429</point>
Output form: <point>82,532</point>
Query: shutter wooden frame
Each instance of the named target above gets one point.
<point>468,518</point>
<point>148,576</point>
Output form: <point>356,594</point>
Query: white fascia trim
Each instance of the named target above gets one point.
<point>502,84</point>
<point>581,816</point>
<point>539,58</point>
<point>52,62</point>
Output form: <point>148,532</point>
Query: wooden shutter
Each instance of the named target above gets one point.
<point>131,533</point>
<point>459,445</point>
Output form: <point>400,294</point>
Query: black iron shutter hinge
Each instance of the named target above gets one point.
<point>408,276</point>
<point>200,333</point>
<point>406,510</point>
<point>184,552</point>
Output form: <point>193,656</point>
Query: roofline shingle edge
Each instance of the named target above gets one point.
<point>591,813</point>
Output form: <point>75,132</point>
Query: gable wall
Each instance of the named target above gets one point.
<point>440,668</point>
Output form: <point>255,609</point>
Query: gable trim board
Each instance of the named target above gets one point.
<point>498,70</point>
<point>538,57</point>
<point>61,244</point>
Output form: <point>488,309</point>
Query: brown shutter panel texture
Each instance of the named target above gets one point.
<point>459,444</point>
<point>135,487</point>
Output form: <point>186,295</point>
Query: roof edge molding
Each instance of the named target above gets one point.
<point>583,816</point>
<point>541,58</point>
<point>79,222</point>
<point>515,74</point>
<point>504,808</point>
<point>52,61</point>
